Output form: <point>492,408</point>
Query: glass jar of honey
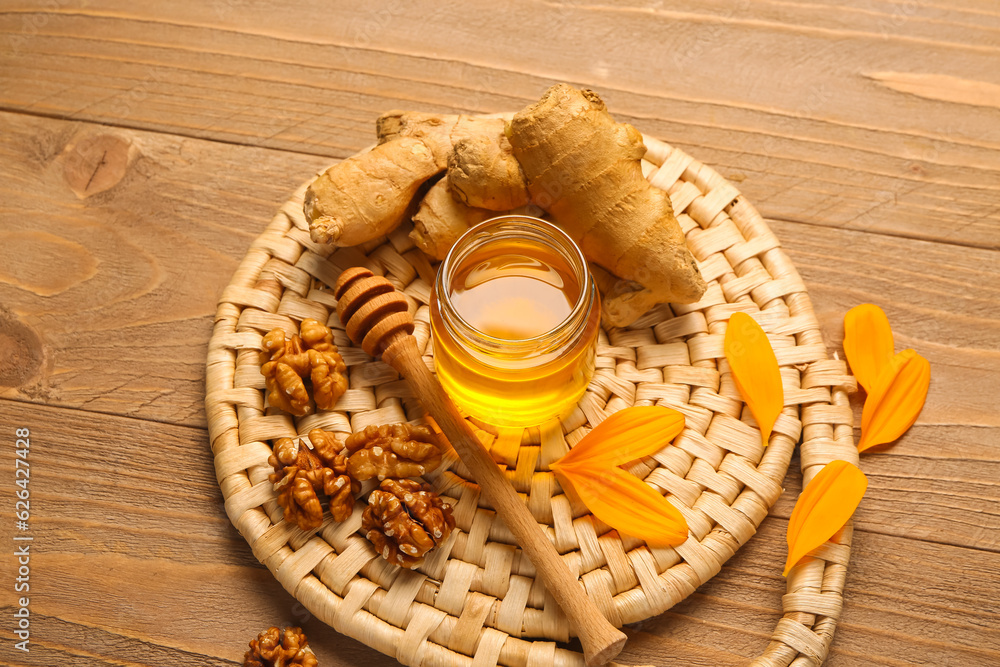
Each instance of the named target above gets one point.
<point>515,317</point>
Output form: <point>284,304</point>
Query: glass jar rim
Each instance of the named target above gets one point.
<point>508,225</point>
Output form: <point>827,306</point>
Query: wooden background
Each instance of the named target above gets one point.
<point>142,149</point>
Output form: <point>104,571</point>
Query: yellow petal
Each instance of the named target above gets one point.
<point>867,343</point>
<point>755,371</point>
<point>826,504</point>
<point>895,400</point>
<point>625,436</point>
<point>627,504</point>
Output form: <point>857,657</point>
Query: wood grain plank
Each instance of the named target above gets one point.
<point>940,300</point>
<point>111,294</point>
<point>937,484</point>
<point>108,484</point>
<point>134,561</point>
<point>903,604</point>
<point>118,552</point>
<point>906,602</point>
<point>163,610</point>
<point>806,106</point>
<point>852,125</point>
<point>123,326</point>
<point>67,644</point>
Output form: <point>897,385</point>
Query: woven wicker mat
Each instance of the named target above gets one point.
<point>475,601</point>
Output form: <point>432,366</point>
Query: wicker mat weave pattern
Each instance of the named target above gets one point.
<point>474,602</point>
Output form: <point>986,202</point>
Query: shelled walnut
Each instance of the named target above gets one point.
<point>392,450</point>
<point>300,474</point>
<point>276,648</point>
<point>285,364</point>
<point>404,520</point>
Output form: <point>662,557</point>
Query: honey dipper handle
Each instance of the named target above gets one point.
<point>601,641</point>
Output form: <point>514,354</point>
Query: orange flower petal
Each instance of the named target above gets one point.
<point>626,503</point>
<point>625,436</point>
<point>867,343</point>
<point>895,400</point>
<point>755,371</point>
<point>826,504</point>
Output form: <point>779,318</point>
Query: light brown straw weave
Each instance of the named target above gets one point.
<point>475,602</point>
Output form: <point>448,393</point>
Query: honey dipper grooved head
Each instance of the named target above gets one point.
<point>371,309</point>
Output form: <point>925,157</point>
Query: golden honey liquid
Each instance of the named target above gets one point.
<point>516,294</point>
<point>514,297</point>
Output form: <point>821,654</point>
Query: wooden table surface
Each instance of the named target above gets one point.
<point>142,149</point>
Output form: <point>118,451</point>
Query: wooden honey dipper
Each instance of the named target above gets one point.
<point>377,317</point>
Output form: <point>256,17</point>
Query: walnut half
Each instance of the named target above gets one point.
<point>392,450</point>
<point>300,474</point>
<point>285,364</point>
<point>404,520</point>
<point>274,648</point>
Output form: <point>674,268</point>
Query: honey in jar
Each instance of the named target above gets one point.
<point>515,318</point>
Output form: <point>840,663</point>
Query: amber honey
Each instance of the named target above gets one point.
<point>515,318</point>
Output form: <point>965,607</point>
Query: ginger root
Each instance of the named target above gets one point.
<point>481,167</point>
<point>585,169</point>
<point>368,195</point>
<point>440,132</point>
<point>622,301</point>
<point>433,129</point>
<point>441,219</point>
<point>564,154</point>
<point>484,174</point>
